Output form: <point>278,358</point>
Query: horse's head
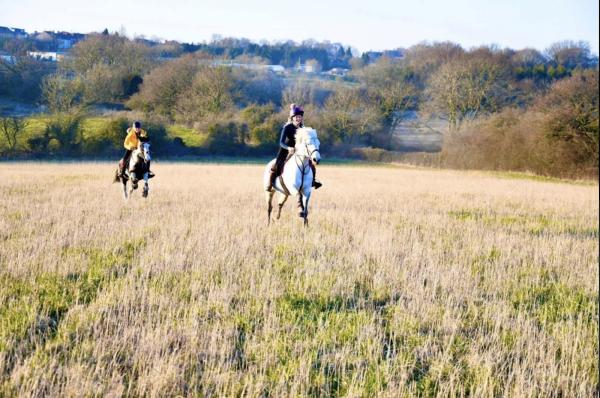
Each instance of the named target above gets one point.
<point>144,151</point>
<point>307,143</point>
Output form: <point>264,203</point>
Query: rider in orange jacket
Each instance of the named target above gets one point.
<point>135,135</point>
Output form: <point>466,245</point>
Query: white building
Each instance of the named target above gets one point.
<point>46,55</point>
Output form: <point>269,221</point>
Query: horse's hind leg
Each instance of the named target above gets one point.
<point>280,203</point>
<point>305,199</point>
<point>300,206</point>
<point>124,188</point>
<point>269,198</point>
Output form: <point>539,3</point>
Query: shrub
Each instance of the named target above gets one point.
<point>62,135</point>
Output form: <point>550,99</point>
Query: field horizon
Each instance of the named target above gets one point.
<point>409,281</point>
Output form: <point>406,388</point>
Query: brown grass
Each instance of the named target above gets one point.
<point>408,282</point>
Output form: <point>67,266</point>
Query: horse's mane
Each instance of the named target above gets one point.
<point>305,134</point>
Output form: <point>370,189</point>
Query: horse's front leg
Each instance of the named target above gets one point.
<point>134,183</point>
<point>282,199</point>
<point>146,187</point>
<point>124,188</point>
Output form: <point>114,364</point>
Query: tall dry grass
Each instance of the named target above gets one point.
<point>407,282</point>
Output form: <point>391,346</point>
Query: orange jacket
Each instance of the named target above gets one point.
<point>132,140</point>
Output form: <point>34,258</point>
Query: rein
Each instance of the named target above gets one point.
<point>302,167</point>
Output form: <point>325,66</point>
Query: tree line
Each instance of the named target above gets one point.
<point>544,104</point>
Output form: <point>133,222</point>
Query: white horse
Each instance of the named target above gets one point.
<point>137,170</point>
<point>297,175</point>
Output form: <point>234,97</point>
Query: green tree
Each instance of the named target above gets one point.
<point>12,128</point>
<point>62,135</point>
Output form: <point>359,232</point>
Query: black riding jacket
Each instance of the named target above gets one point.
<point>288,136</point>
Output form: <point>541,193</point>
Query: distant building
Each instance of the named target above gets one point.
<point>66,40</point>
<point>275,68</point>
<point>338,71</point>
<point>12,33</point>
<point>6,57</point>
<point>272,68</point>
<point>307,68</point>
<point>47,55</point>
<point>373,56</point>
<point>43,36</point>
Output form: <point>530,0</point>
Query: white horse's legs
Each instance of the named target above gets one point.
<point>269,198</point>
<point>281,199</point>
<point>280,202</point>
<point>304,200</point>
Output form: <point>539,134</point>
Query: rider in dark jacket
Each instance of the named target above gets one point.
<point>287,142</point>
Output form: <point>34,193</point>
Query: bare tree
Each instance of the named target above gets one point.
<point>571,54</point>
<point>298,93</point>
<point>571,109</point>
<point>60,93</point>
<point>107,64</point>
<point>211,93</point>
<point>349,116</point>
<point>463,89</point>
<point>164,85</point>
<point>390,88</point>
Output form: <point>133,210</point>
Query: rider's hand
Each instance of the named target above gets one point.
<point>291,150</point>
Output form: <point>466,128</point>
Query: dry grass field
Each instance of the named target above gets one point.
<point>407,282</point>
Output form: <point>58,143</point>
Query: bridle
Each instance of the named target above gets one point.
<point>142,153</point>
<point>301,166</point>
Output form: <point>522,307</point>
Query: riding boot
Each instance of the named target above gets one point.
<point>122,168</point>
<point>315,183</point>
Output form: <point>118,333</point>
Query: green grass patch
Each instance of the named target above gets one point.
<point>190,137</point>
<point>33,308</point>
<point>515,175</point>
<point>466,215</point>
<point>551,301</point>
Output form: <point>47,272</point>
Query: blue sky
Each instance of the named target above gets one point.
<point>364,25</point>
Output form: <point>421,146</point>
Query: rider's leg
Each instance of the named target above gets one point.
<point>124,161</point>
<point>315,183</point>
<point>277,166</point>
<point>150,174</point>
